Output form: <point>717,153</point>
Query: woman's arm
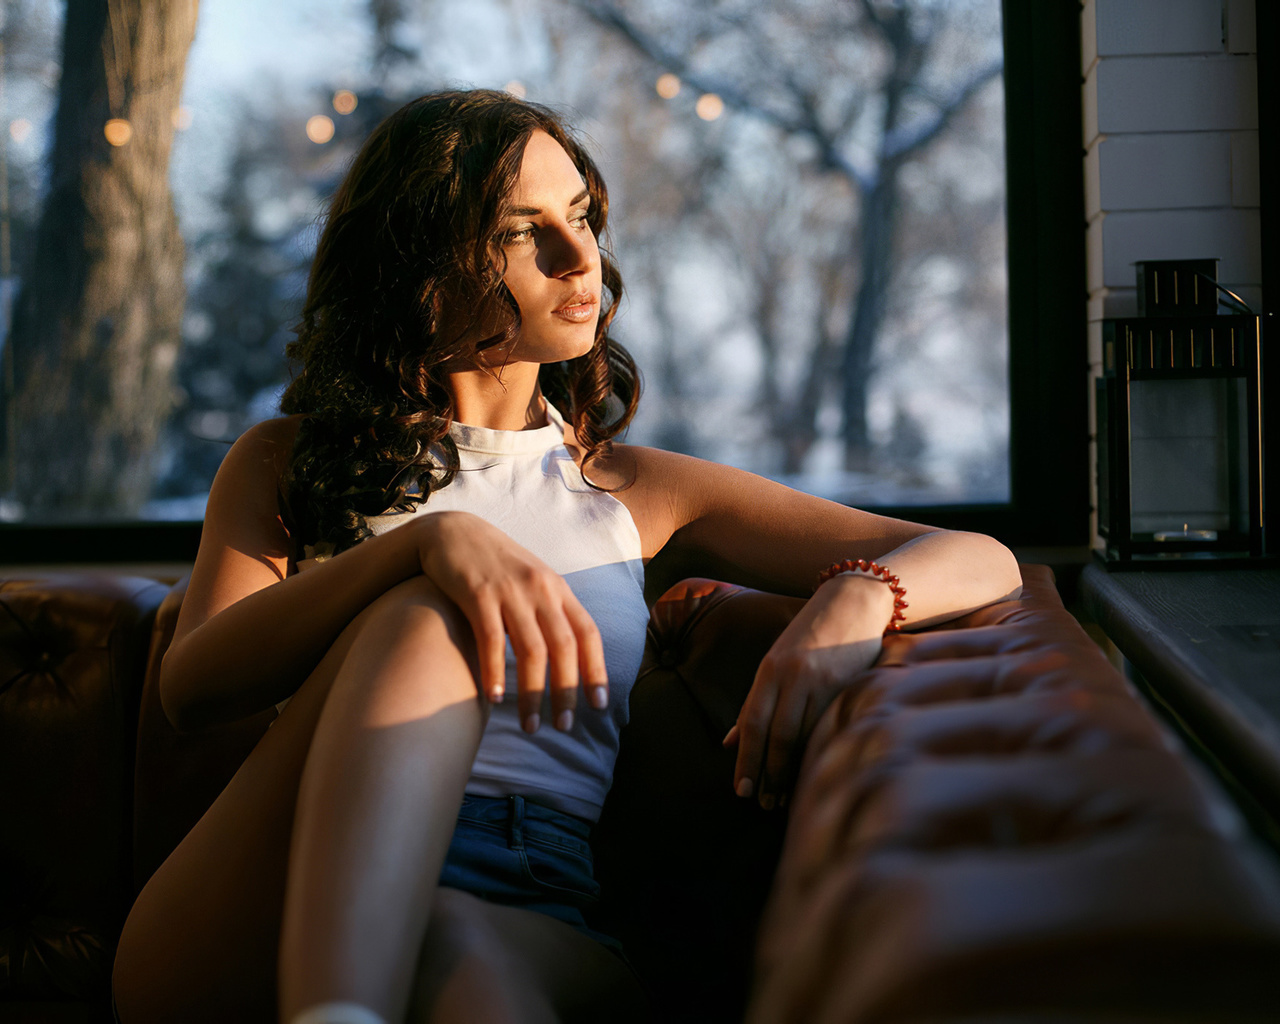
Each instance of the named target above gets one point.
<point>249,633</point>
<point>760,533</point>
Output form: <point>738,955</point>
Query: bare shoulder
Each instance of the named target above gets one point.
<point>666,492</point>
<point>244,545</point>
<point>642,480</point>
<point>255,462</point>
<point>270,441</point>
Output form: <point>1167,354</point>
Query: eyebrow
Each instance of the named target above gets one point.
<point>533,211</point>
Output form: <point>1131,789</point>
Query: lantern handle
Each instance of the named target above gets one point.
<point>1235,303</point>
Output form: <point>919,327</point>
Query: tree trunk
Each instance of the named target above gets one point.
<point>877,262</point>
<point>97,322</point>
<point>879,207</point>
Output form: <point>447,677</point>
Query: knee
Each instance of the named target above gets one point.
<point>409,654</point>
<point>414,611</point>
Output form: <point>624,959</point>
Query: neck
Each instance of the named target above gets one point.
<point>504,398</point>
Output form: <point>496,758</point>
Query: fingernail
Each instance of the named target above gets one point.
<point>531,722</point>
<point>745,788</point>
<point>599,697</point>
<point>564,720</point>
<point>766,801</point>
<point>497,693</point>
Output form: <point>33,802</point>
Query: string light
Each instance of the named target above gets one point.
<point>709,106</point>
<point>118,131</point>
<point>19,129</point>
<point>516,89</point>
<point>668,86</point>
<point>320,129</point>
<point>182,118</point>
<point>344,101</point>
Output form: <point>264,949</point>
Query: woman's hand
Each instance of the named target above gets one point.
<point>835,636</point>
<point>506,591</point>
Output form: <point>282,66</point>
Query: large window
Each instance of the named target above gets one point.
<point>808,208</point>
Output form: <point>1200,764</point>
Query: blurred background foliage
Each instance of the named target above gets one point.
<point>807,206</point>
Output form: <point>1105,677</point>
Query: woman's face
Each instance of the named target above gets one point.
<point>553,261</point>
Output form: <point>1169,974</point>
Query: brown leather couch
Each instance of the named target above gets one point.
<point>990,825</point>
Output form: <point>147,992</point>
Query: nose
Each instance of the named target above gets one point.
<point>569,251</point>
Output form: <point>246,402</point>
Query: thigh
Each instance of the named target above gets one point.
<point>483,962</point>
<point>202,939</point>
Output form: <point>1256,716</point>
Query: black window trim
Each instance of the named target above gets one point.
<point>1048,451</point>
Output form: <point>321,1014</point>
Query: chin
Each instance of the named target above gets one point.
<point>563,349</point>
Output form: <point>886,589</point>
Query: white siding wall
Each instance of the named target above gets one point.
<point>1171,147</point>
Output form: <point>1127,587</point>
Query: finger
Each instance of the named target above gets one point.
<point>531,663</point>
<point>562,660</point>
<point>731,737</point>
<point>784,731</point>
<point>591,663</point>
<point>491,649</point>
<point>753,735</point>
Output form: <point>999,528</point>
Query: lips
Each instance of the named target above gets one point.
<point>579,309</point>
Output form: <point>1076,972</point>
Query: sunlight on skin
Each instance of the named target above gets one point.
<point>553,272</point>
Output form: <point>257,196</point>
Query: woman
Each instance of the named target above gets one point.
<point>423,566</point>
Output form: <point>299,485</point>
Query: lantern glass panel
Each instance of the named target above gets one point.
<point>1186,469</point>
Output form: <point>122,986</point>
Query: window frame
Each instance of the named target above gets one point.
<point>1048,438</point>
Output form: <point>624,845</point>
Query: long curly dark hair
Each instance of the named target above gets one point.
<point>411,237</point>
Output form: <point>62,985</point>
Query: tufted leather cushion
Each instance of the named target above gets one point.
<point>72,651</point>
<point>990,826</point>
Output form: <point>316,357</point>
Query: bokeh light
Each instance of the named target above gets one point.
<point>516,89</point>
<point>344,101</point>
<point>668,86</point>
<point>709,106</point>
<point>19,129</point>
<point>320,128</point>
<point>118,131</point>
<point>182,118</point>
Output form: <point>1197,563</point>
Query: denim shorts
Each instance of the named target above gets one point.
<point>512,851</point>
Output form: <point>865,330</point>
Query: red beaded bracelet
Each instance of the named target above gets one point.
<point>880,572</point>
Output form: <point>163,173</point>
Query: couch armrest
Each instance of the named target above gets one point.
<point>72,650</point>
<point>990,825</point>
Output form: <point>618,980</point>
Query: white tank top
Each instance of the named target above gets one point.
<point>526,483</point>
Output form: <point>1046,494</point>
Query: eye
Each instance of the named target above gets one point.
<point>518,236</point>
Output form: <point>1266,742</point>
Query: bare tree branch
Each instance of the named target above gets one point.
<point>608,15</point>
<point>902,142</point>
<point>874,16</point>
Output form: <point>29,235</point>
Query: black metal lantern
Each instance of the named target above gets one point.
<point>1179,424</point>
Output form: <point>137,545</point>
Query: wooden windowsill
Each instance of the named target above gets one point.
<point>1207,642</point>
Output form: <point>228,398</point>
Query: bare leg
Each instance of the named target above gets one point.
<point>390,756</point>
<point>488,964</point>
<point>202,941</point>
